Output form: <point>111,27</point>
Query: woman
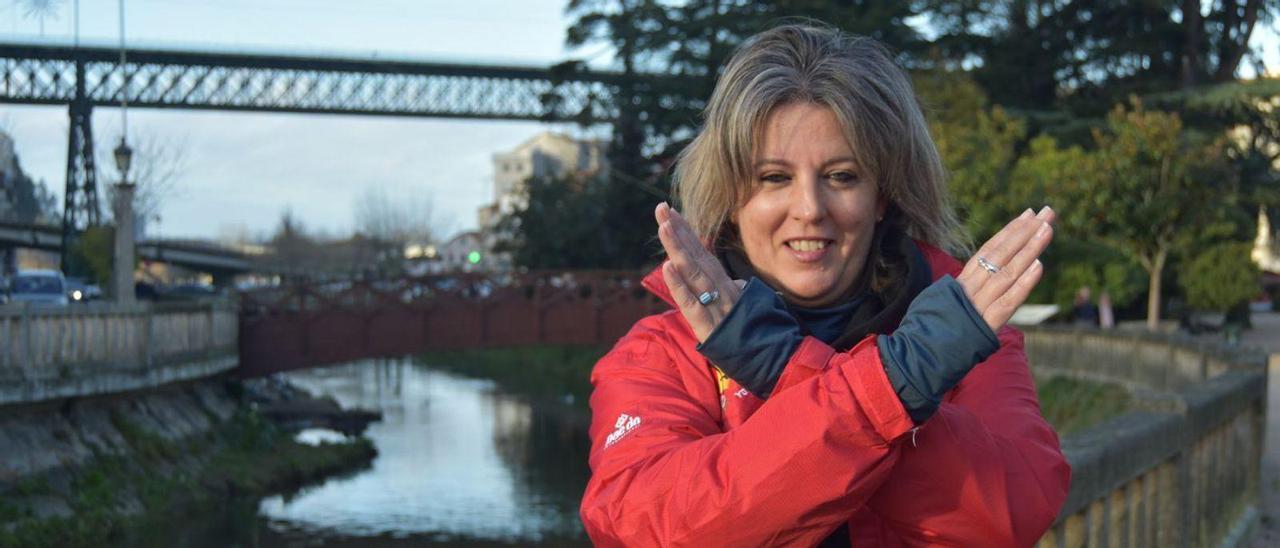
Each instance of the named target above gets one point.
<point>830,375</point>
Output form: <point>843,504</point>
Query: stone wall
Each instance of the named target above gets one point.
<point>1182,469</point>
<point>102,348</point>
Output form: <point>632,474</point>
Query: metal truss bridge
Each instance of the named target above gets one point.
<point>85,77</point>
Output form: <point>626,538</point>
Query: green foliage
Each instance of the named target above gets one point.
<point>584,224</point>
<point>1220,277</point>
<point>32,200</point>
<point>1146,184</point>
<point>1018,96</point>
<point>247,455</point>
<point>1247,113</point>
<point>261,458</point>
<point>549,371</point>
<point>1088,55</point>
<point>91,254</point>
<point>1147,189</point>
<point>979,147</point>
<point>1071,404</point>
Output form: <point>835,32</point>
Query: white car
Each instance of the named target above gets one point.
<point>38,287</point>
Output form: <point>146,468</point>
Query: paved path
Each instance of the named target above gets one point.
<point>1266,335</point>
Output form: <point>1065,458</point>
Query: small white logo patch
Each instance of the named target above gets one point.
<point>621,427</point>
<point>741,393</point>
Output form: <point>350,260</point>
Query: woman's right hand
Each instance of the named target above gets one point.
<point>1014,252</point>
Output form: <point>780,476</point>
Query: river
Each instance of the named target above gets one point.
<point>459,463</point>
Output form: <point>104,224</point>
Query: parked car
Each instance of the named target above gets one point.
<point>145,291</point>
<point>39,287</point>
<point>79,290</point>
<point>189,292</point>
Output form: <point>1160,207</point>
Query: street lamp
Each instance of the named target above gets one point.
<point>124,246</point>
<point>124,157</point>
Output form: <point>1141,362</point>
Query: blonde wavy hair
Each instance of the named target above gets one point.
<point>874,102</point>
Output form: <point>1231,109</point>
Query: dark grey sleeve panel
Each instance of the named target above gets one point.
<point>753,344</point>
<point>941,338</point>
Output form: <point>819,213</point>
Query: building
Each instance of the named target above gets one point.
<point>545,155</point>
<point>1266,249</point>
<point>8,176</point>
<point>466,252</point>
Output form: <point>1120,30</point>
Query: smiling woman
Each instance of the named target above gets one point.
<point>829,374</point>
<point>808,173</point>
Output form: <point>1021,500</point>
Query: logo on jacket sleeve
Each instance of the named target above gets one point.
<point>621,427</point>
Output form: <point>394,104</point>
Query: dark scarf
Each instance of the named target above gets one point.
<point>898,272</point>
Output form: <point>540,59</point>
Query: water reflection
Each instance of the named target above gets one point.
<point>457,461</point>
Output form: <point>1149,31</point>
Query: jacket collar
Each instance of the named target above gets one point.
<point>655,284</point>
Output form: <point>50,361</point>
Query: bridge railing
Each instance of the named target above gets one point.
<point>1182,468</point>
<point>96,348</point>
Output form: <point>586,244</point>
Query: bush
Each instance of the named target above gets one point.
<point>1219,278</point>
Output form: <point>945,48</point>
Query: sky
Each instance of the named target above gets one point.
<point>243,170</point>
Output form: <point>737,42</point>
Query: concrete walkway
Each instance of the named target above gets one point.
<point>1266,335</point>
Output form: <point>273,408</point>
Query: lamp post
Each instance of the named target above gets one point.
<point>122,265</point>
<point>124,244</point>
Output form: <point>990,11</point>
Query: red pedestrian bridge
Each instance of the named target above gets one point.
<point>323,323</point>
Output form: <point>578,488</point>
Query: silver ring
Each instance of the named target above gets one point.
<point>708,297</point>
<point>988,265</point>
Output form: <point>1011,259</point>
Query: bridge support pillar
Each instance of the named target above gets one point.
<point>80,198</point>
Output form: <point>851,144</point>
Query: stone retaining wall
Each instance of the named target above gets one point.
<point>101,348</point>
<point>1180,470</point>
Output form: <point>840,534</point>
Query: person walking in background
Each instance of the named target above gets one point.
<point>1083,312</point>
<point>1106,317</point>
<point>829,374</point>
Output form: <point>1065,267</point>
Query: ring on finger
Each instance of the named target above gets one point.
<point>708,297</point>
<point>987,265</point>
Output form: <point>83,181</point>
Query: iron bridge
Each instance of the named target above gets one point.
<point>53,75</point>
<point>85,77</point>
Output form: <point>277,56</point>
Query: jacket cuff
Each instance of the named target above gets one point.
<point>874,393</point>
<point>754,342</point>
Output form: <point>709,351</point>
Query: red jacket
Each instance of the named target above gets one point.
<point>680,457</point>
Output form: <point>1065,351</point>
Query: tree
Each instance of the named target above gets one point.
<point>93,253</point>
<point>571,223</point>
<point>979,146</point>
<point>293,248</point>
<point>1220,277</point>
<point>33,202</point>
<point>1147,188</point>
<point>1036,54</point>
<point>393,224</point>
<point>39,10</point>
<point>1249,114</point>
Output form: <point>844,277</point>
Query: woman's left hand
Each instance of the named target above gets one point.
<point>693,271</point>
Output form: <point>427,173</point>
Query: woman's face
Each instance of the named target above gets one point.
<point>808,224</point>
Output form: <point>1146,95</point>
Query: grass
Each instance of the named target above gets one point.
<point>1071,404</point>
<point>542,371</point>
<point>247,455</point>
<point>261,458</point>
<point>550,371</point>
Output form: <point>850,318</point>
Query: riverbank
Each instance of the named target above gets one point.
<point>547,372</point>
<point>98,471</point>
<point>564,372</point>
